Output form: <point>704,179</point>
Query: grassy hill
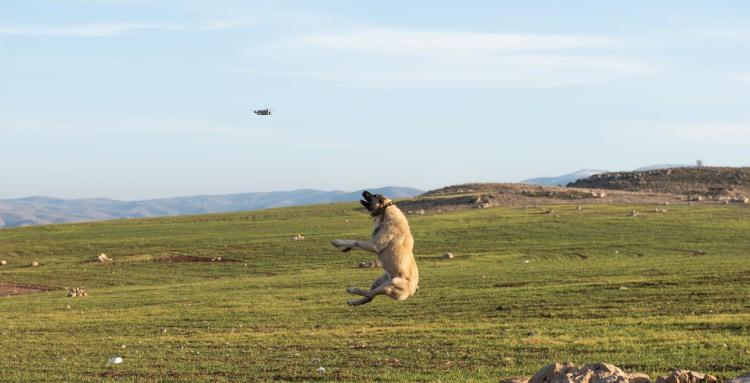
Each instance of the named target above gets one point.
<point>44,210</point>
<point>646,293</point>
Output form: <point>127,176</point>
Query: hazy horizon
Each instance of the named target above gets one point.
<point>142,100</point>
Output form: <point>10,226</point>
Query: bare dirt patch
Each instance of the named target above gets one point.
<point>8,289</point>
<point>194,258</point>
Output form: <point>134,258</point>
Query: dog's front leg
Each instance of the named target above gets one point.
<point>348,244</point>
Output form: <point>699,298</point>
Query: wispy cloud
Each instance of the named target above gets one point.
<point>116,29</point>
<point>716,132</point>
<point>395,41</point>
<point>404,58</point>
<point>742,77</point>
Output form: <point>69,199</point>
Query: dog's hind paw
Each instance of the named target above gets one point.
<point>358,302</point>
<point>352,290</point>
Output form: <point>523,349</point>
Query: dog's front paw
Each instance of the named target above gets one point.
<point>341,245</point>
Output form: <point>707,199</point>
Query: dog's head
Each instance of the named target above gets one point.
<point>375,203</point>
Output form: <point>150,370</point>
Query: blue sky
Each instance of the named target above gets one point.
<point>143,99</point>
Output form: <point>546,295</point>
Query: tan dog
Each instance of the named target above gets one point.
<point>393,243</point>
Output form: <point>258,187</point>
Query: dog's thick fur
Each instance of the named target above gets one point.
<point>393,243</point>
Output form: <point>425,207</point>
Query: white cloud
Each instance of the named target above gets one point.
<point>394,41</point>
<point>718,132</point>
<point>742,77</point>
<point>379,57</point>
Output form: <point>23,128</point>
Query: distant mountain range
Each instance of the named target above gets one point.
<point>586,173</point>
<point>563,179</point>
<point>45,210</point>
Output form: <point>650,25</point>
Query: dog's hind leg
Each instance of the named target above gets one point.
<point>375,284</point>
<point>396,288</point>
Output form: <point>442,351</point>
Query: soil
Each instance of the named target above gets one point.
<point>193,258</point>
<point>8,289</point>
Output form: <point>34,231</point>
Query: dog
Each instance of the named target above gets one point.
<point>393,243</point>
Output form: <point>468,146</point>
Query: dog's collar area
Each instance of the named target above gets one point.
<point>381,210</point>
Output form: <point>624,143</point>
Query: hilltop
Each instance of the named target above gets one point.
<point>486,195</point>
<point>709,182</point>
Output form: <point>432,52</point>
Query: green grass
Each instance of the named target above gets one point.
<point>280,313</point>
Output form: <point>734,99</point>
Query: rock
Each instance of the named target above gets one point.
<point>77,292</point>
<point>590,373</point>
<point>370,264</point>
<point>34,264</point>
<point>550,372</point>
<point>298,237</point>
<point>3,262</point>
<point>103,258</point>
<point>114,360</point>
<point>686,376</point>
<point>637,377</point>
<point>660,210</point>
<point>321,370</point>
<point>447,255</point>
<point>579,207</point>
<point>744,378</point>
<point>515,379</point>
<point>635,213</point>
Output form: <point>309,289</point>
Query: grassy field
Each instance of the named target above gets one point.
<point>645,293</point>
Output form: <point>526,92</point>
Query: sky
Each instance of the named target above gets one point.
<point>145,99</point>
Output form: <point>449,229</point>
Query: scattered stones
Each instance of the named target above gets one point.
<point>607,373</point>
<point>695,198</point>
<point>34,264</point>
<point>418,211</point>
<point>447,255</point>
<point>216,259</point>
<point>77,292</point>
<point>686,376</point>
<point>515,379</point>
<point>744,378</point>
<point>741,199</point>
<point>104,258</point>
<point>298,237</point>
<point>660,210</point>
<point>3,262</point>
<point>590,373</point>
<point>635,213</point>
<point>321,370</point>
<point>370,264</point>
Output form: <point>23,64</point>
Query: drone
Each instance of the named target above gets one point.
<point>263,112</point>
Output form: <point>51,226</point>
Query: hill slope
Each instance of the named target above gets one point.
<point>652,292</point>
<point>45,210</point>
<point>714,182</point>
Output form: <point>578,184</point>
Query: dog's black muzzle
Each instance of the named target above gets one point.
<point>367,201</point>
